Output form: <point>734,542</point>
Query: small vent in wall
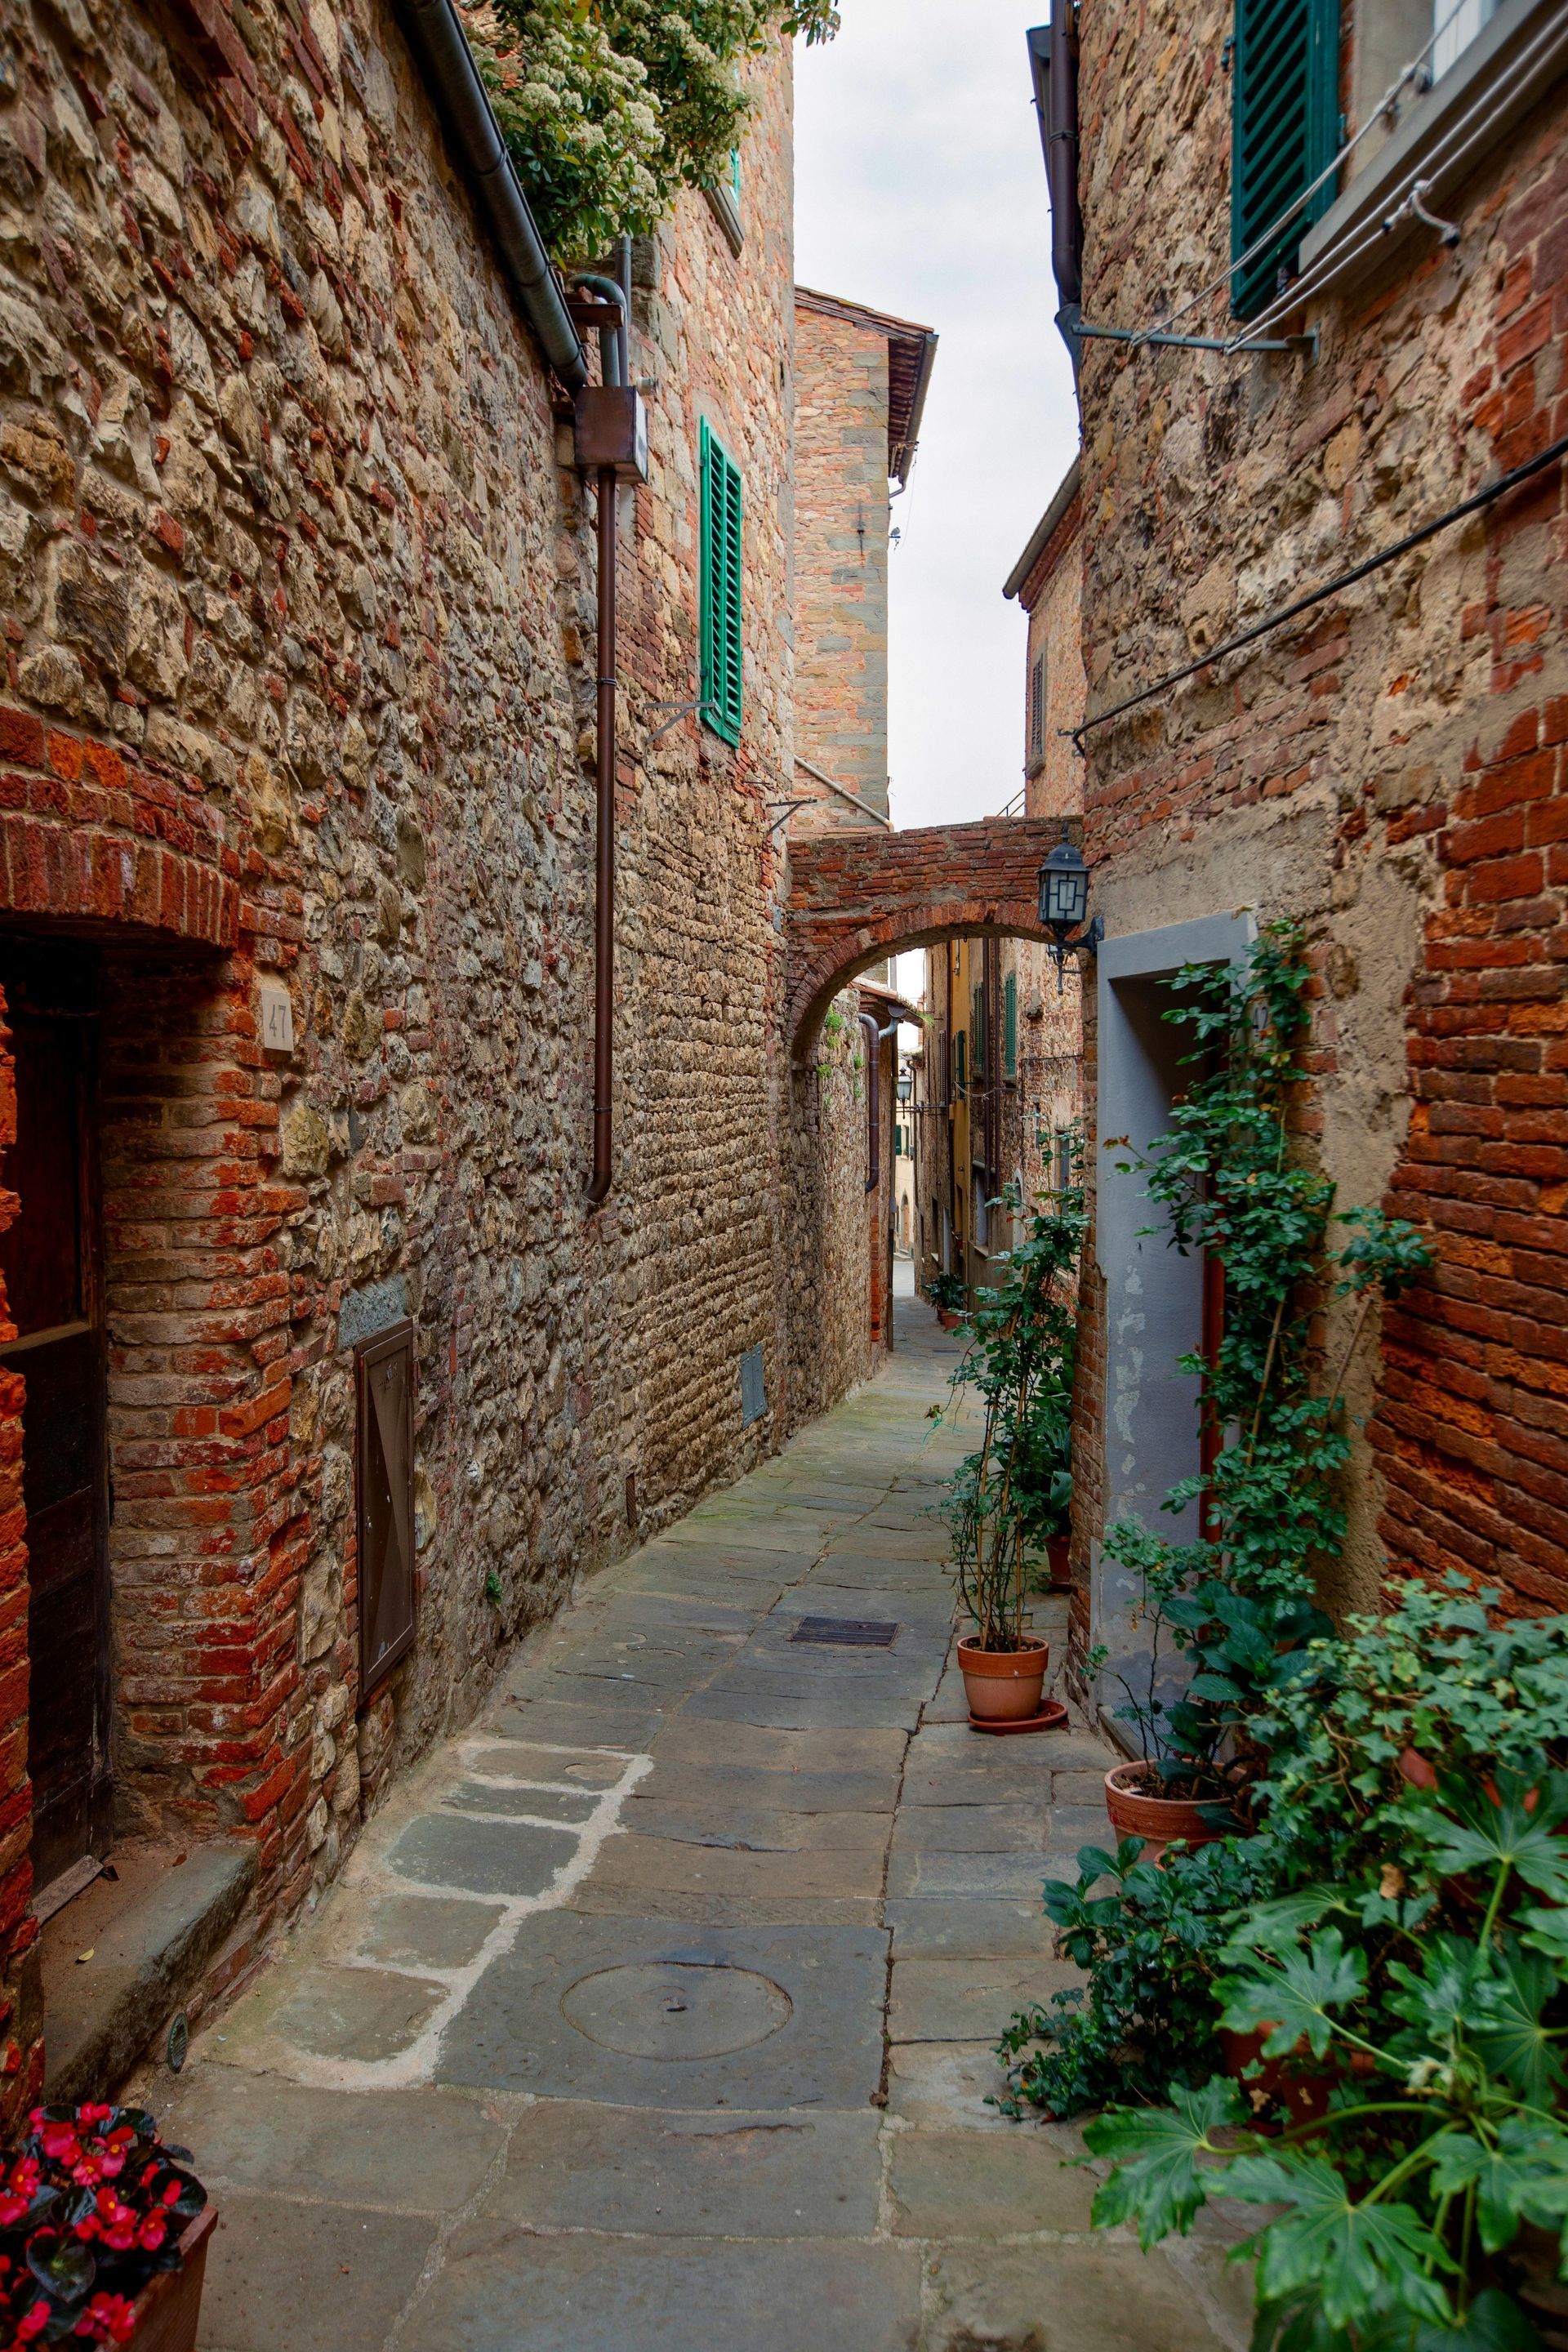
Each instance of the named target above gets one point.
<point>753,1393</point>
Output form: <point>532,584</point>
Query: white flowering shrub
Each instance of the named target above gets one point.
<point>609,107</point>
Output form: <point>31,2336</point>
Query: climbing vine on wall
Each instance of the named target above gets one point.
<point>611,107</point>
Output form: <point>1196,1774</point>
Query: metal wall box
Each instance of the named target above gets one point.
<point>384,1496</point>
<point>610,429</point>
<point>754,1388</point>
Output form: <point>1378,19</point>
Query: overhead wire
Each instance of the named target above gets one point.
<point>1486,496</point>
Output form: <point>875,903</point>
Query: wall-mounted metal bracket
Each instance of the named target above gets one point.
<point>1086,944</point>
<point>1306,343</point>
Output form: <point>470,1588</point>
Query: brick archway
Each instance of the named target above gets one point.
<point>858,896</point>
<point>88,835</point>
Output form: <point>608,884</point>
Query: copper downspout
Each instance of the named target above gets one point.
<point>614,368</point>
<point>605,858</point>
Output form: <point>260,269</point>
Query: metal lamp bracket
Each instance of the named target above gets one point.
<point>1086,944</point>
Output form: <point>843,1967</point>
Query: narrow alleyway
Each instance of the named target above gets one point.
<point>655,2012</point>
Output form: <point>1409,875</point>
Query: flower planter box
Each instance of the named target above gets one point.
<point>169,2306</point>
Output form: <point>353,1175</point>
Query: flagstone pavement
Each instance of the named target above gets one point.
<point>656,2010</point>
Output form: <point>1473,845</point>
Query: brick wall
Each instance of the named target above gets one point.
<point>841,561</point>
<point>1388,769</point>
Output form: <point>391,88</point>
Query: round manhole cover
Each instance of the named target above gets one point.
<point>675,2008</point>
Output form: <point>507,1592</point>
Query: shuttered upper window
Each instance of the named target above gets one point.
<point>1284,117</point>
<point>720,588</point>
<point>1010,1026</point>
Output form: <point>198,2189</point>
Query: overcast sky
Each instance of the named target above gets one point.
<point>919,189</point>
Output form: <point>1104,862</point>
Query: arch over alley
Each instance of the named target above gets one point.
<point>858,896</point>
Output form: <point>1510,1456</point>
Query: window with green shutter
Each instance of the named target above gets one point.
<point>958,1062</point>
<point>977,1031</point>
<point>1284,120</point>
<point>1010,1026</point>
<point>720,587</point>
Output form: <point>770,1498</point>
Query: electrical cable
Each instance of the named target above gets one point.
<point>1472,505</point>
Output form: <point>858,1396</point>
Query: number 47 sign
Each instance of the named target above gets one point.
<point>276,1017</point>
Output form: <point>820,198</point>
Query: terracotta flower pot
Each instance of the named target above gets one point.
<point>1158,1821</point>
<point>168,2307</point>
<point>949,1317</point>
<point>1422,1773</point>
<point>1280,2080</point>
<point>1004,1685</point>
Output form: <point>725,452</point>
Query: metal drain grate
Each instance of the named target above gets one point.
<point>846,1633</point>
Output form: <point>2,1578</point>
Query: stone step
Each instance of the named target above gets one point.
<point>150,1932</point>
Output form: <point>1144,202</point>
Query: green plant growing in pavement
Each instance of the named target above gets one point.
<point>1013,1493</point>
<point>610,107</point>
<point>1149,1938</point>
<point>1419,2204</point>
<point>1238,1602</point>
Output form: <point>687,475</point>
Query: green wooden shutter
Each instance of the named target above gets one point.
<point>720,588</point>
<point>1283,118</point>
<point>958,1062</point>
<point>1010,1026</point>
<point>977,1031</point>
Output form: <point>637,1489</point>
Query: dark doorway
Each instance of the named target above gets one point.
<point>52,1261</point>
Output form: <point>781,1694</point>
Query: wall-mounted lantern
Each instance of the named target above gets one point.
<point>906,1085</point>
<point>1064,903</point>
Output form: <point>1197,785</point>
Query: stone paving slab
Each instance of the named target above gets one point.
<point>952,2001</point>
<point>1083,2296</point>
<point>287,2275</point>
<point>925,1927</point>
<point>756,1701</point>
<point>963,1829</point>
<point>763,1829</point>
<point>793,1787</point>
<point>777,1747</point>
<point>651,2171</point>
<point>947,2185</point>
<point>637,1866</point>
<point>656,2010</point>
<point>945,2086</point>
<point>965,1875</point>
<point>417,2152</point>
<point>504,2291</point>
<point>808,2029</point>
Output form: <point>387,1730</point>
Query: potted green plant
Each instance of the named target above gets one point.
<point>1423,2208</point>
<point>1235,1603</point>
<point>104,2234</point>
<point>949,1295</point>
<point>1010,1496</point>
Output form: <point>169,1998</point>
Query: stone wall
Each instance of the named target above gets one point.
<point>1389,770</point>
<point>298,597</point>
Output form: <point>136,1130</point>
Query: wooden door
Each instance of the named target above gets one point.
<point>51,1261</point>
